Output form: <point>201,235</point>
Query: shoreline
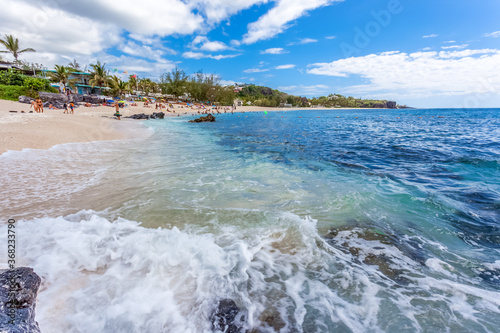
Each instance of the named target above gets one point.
<point>87,124</point>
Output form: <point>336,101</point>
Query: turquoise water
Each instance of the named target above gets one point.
<point>311,221</point>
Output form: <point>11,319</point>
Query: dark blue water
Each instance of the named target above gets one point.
<point>450,155</point>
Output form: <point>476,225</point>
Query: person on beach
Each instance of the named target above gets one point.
<point>117,113</point>
<point>39,106</point>
<point>65,106</point>
<point>72,106</point>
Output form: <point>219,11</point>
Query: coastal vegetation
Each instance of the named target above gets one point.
<point>14,84</point>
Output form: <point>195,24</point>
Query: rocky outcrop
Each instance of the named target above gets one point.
<point>224,318</point>
<point>52,97</point>
<point>392,105</point>
<point>208,118</point>
<point>75,98</point>
<point>92,99</point>
<point>154,115</point>
<point>18,291</point>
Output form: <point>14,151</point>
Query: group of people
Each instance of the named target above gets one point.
<point>71,107</point>
<point>37,105</point>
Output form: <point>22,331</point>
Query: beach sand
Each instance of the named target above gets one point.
<point>44,130</point>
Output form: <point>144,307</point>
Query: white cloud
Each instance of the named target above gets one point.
<point>204,44</point>
<point>456,47</point>
<point>420,74</point>
<point>430,36</point>
<point>225,56</point>
<point>255,70</point>
<point>312,90</point>
<point>331,37</point>
<point>194,55</point>
<point>304,41</point>
<point>285,66</point>
<point>449,42</point>
<point>200,55</point>
<point>143,51</point>
<point>279,17</point>
<point>495,34</point>
<point>47,31</point>
<point>274,50</point>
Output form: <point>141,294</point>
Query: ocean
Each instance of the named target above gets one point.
<point>310,221</point>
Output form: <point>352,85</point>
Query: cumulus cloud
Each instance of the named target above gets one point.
<point>278,19</point>
<point>420,74</point>
<point>60,29</point>
<point>53,31</point>
<point>204,44</point>
<point>430,36</point>
<point>274,50</point>
<point>285,66</point>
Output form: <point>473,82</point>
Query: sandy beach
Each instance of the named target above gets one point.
<point>44,130</point>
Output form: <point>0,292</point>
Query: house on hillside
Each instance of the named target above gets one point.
<point>238,102</point>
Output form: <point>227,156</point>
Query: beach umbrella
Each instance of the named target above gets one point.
<point>110,101</point>
<point>122,102</point>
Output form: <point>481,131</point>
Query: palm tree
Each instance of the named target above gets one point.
<point>75,65</point>
<point>118,87</point>
<point>12,46</point>
<point>132,82</point>
<point>99,75</point>
<point>62,75</point>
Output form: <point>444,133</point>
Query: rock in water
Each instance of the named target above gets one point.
<point>157,115</point>
<point>208,118</point>
<point>18,291</point>
<point>224,317</point>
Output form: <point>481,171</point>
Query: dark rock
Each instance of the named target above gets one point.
<point>138,116</point>
<point>208,118</point>
<point>391,105</point>
<point>157,115</point>
<point>75,98</point>
<point>90,99</point>
<point>25,99</point>
<point>51,97</point>
<point>18,291</point>
<point>224,317</point>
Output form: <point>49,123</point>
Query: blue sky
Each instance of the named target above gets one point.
<point>421,53</point>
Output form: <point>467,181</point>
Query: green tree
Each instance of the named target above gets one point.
<point>12,46</point>
<point>132,82</point>
<point>98,75</point>
<point>118,87</point>
<point>174,83</point>
<point>62,75</point>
